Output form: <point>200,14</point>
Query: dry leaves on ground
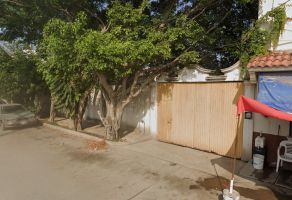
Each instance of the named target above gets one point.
<point>93,145</point>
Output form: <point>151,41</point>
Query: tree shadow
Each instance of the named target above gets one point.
<point>90,123</point>
<point>137,114</point>
<point>164,91</point>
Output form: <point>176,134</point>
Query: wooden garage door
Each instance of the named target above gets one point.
<point>200,115</point>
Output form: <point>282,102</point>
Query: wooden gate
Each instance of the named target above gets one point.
<point>200,115</point>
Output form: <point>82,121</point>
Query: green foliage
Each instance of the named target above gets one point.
<point>66,75</point>
<point>135,41</point>
<point>19,80</point>
<point>73,56</point>
<point>279,20</point>
<point>25,19</point>
<point>227,20</point>
<point>256,41</point>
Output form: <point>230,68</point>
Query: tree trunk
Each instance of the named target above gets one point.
<point>78,120</point>
<point>52,110</point>
<point>116,97</point>
<point>112,121</point>
<point>74,123</point>
<point>101,112</point>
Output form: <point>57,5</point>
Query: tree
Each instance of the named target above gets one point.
<point>124,44</point>
<point>67,77</point>
<point>124,58</point>
<point>138,41</point>
<point>19,80</point>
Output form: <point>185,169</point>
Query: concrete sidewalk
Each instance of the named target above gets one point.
<point>209,172</point>
<point>44,164</point>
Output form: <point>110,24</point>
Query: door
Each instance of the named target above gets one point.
<point>200,115</point>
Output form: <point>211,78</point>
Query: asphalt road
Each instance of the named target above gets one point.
<point>44,164</point>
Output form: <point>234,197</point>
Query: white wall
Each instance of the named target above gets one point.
<point>270,125</point>
<point>140,114</point>
<point>199,74</point>
<point>191,75</point>
<point>285,41</point>
<point>91,110</point>
<point>233,75</point>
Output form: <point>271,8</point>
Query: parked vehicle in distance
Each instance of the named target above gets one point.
<point>15,115</point>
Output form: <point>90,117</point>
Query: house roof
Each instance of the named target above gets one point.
<point>272,60</point>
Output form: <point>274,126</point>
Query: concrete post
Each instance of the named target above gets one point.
<point>248,124</point>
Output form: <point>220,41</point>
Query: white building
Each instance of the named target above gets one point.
<point>278,60</point>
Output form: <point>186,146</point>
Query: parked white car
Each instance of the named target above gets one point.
<point>15,115</point>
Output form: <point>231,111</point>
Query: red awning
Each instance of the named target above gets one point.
<point>245,104</point>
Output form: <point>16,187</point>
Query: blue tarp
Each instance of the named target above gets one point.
<point>275,90</point>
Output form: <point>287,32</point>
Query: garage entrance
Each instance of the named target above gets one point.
<point>200,115</point>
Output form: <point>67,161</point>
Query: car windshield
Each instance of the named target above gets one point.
<point>12,109</point>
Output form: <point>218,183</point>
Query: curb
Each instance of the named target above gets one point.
<point>72,132</point>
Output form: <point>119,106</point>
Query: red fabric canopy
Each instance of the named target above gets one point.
<point>245,104</point>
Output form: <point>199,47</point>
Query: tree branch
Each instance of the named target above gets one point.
<point>217,24</point>
<point>197,15</point>
<point>15,2</point>
<point>132,89</point>
<point>160,68</point>
<point>151,74</point>
<point>200,7</point>
<point>124,85</point>
<point>136,77</point>
<point>104,83</point>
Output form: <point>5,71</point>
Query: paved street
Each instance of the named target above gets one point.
<point>45,164</point>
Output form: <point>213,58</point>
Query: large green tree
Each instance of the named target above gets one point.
<point>67,77</point>
<point>123,44</point>
<point>124,58</point>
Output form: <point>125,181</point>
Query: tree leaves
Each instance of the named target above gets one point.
<point>19,80</point>
<point>72,55</point>
<point>65,73</point>
<point>256,40</point>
